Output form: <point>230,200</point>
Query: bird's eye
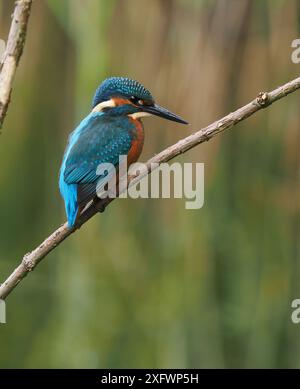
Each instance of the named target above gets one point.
<point>135,100</point>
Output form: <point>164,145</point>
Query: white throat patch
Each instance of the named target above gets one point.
<point>138,115</point>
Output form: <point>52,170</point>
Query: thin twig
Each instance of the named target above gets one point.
<point>12,53</point>
<point>263,100</point>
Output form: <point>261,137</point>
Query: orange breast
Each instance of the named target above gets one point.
<point>137,143</point>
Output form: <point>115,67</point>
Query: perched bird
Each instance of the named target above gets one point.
<point>113,128</point>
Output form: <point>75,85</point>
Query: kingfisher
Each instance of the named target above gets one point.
<point>112,128</point>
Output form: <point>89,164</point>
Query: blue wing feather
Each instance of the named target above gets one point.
<point>96,140</point>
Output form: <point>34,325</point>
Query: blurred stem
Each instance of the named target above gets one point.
<point>263,100</point>
<point>12,53</point>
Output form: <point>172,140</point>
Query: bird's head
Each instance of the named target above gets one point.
<point>123,96</point>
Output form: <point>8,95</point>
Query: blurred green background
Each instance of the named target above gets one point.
<point>148,283</point>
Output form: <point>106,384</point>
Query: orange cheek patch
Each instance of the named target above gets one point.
<point>119,101</point>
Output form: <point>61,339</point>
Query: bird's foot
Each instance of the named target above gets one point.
<point>99,206</point>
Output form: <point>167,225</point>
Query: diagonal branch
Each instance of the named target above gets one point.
<point>263,100</point>
<point>12,53</point>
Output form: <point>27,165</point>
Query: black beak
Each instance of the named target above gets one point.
<point>163,113</point>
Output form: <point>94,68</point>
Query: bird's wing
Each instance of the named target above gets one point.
<point>102,141</point>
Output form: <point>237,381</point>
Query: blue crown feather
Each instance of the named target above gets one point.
<point>122,87</point>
